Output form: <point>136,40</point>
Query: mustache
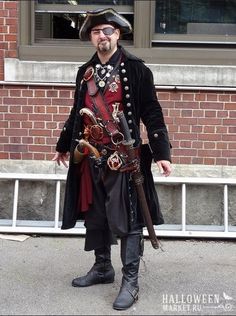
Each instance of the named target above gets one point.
<point>103,40</point>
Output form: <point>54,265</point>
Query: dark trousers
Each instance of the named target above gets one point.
<point>114,211</point>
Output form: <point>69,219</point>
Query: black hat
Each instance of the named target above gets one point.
<point>104,16</point>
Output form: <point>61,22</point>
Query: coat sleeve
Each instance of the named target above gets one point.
<point>64,141</point>
<point>153,119</point>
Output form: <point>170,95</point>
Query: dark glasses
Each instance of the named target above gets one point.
<point>106,31</point>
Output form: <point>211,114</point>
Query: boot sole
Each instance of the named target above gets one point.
<point>124,308</point>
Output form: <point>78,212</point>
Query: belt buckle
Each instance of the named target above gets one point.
<point>114,161</point>
<point>96,132</point>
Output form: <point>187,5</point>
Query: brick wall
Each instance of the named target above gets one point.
<point>31,119</point>
<point>8,32</point>
<point>202,125</point>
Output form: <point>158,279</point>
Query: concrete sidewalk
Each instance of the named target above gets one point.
<point>191,277</point>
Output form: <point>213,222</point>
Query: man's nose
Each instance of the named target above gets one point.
<point>102,35</point>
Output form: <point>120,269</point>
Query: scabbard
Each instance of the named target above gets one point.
<point>138,178</point>
<point>138,181</point>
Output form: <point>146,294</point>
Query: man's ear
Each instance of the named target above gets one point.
<point>118,33</point>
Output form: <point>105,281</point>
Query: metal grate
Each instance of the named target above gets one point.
<point>168,230</point>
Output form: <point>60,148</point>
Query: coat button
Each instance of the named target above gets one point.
<point>122,64</point>
<point>127,96</point>
<point>155,135</point>
<point>129,113</point>
<point>126,88</point>
<point>125,79</point>
<point>130,121</point>
<point>128,105</point>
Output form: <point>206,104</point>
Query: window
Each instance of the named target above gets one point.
<point>55,19</point>
<point>211,21</point>
<point>165,31</point>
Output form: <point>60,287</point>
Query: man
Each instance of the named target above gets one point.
<point>100,188</point>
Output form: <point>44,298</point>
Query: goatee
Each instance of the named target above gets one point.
<point>104,46</point>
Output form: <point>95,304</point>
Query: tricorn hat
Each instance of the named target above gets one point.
<point>104,16</point>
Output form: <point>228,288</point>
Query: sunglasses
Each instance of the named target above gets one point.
<point>108,31</point>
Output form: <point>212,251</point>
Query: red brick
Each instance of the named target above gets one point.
<point>212,137</point>
<point>229,122</point>
<point>230,106</point>
<point>27,140</point>
<point>229,153</point>
<point>163,96</point>
<point>15,155</point>
<point>16,131</point>
<point>188,97</point>
<point>39,101</point>
<point>4,155</point>
<point>197,144</point>
<point>16,117</point>
<point>224,97</point>
<point>232,161</point>
<point>209,161</point>
<point>16,148</point>
<point>221,145</point>
<point>211,97</point>
<point>212,105</point>
<point>38,156</point>
<point>26,124</point>
<point>15,124</point>
<point>196,129</point>
<point>40,117</point>
<point>221,161</point>
<point>40,132</point>
<point>15,140</point>
<point>209,145</point>
<point>186,113</point>
<point>11,21</point>
<point>184,128</point>
<point>27,156</point>
<point>38,125</point>
<point>210,113</point>
<point>39,140</point>
<point>39,148</point>
<point>185,160</point>
<point>197,160</point>
<point>52,94</point>
<point>10,4</point>
<point>200,97</point>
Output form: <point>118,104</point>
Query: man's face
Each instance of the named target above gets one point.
<point>104,37</point>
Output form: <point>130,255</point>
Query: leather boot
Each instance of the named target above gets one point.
<point>131,250</point>
<point>101,272</point>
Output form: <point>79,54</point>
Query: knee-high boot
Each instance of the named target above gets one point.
<point>101,272</point>
<point>131,251</point>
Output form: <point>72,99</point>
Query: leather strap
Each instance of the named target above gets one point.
<point>99,103</point>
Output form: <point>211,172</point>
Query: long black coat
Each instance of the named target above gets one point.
<point>140,103</point>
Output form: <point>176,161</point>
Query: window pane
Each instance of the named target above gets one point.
<point>209,17</point>
<point>88,2</point>
<point>64,25</point>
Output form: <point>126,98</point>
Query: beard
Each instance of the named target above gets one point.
<point>104,46</point>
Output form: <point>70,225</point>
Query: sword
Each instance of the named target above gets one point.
<point>138,178</point>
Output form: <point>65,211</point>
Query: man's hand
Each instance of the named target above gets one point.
<point>164,167</point>
<point>61,158</point>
